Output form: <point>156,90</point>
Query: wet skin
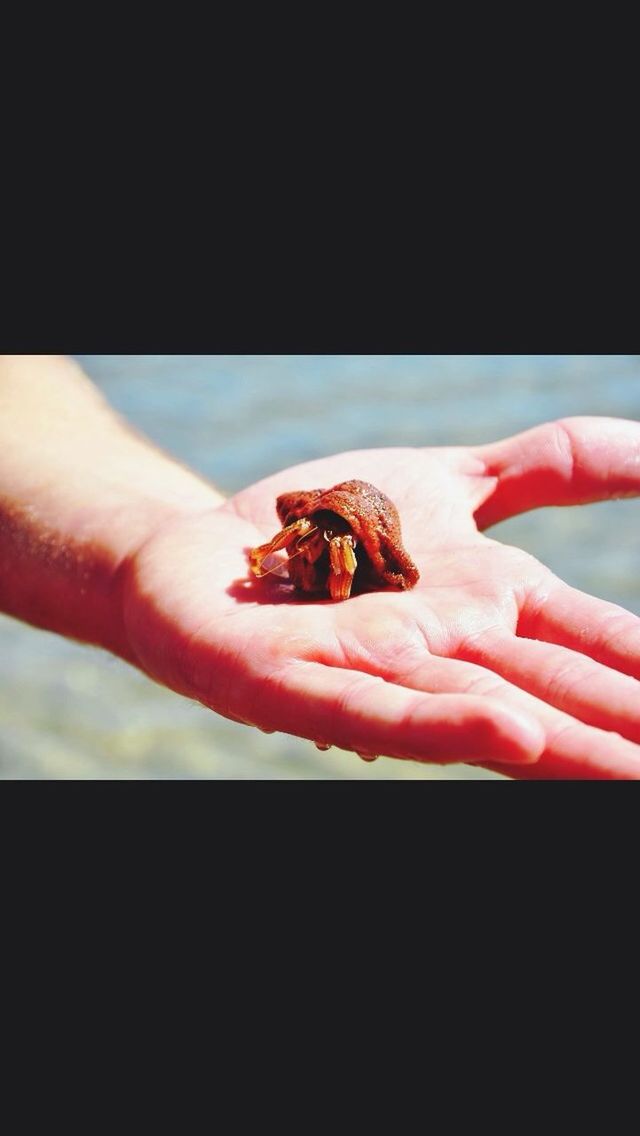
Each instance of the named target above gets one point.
<point>489,658</point>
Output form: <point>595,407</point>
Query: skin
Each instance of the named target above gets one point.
<point>489,659</point>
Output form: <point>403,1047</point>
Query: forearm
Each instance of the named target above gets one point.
<point>80,492</point>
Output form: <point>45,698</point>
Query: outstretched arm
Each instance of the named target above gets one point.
<point>490,659</point>
<point>80,492</point>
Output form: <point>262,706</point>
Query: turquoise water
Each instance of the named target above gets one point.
<point>72,711</point>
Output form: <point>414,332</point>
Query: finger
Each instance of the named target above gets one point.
<point>572,751</point>
<point>566,679</point>
<point>568,462</point>
<point>571,618</point>
<point>364,713</point>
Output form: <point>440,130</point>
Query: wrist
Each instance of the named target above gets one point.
<point>80,493</point>
<point>65,570</point>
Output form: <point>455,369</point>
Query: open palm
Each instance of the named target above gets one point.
<point>490,659</point>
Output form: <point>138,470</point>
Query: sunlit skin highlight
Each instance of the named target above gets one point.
<point>489,658</point>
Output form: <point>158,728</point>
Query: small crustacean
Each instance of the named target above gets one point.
<point>322,528</point>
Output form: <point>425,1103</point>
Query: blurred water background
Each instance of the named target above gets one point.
<point>68,711</point>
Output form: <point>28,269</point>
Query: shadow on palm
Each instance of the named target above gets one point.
<point>429,674</point>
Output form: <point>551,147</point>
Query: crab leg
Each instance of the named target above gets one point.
<point>283,539</point>
<point>343,565</point>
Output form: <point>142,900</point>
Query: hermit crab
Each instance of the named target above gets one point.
<point>322,531</point>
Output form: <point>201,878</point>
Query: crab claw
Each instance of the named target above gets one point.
<point>283,539</point>
<point>343,565</point>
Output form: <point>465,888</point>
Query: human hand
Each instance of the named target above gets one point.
<point>490,659</point>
